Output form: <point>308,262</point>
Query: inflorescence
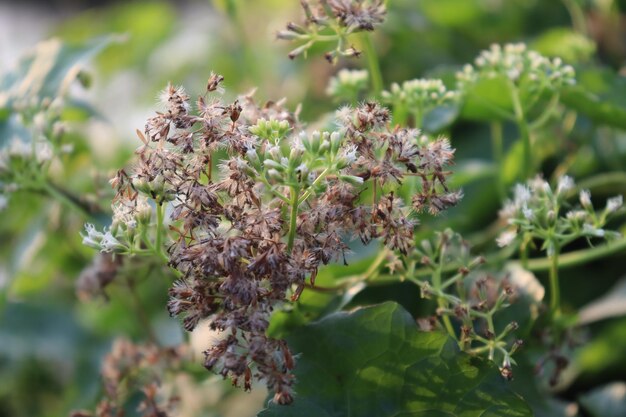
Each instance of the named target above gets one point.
<point>284,203</point>
<point>333,21</point>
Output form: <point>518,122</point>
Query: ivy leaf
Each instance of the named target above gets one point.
<point>375,362</point>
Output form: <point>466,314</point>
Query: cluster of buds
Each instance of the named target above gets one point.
<point>536,212</point>
<point>419,96</point>
<point>333,21</point>
<point>26,157</point>
<point>130,369</point>
<point>246,240</point>
<point>348,85</point>
<point>469,296</point>
<point>520,66</point>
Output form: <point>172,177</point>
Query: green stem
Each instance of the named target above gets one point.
<point>524,130</point>
<point>577,15</point>
<point>159,228</point>
<point>579,257</point>
<point>311,187</point>
<point>373,64</point>
<point>492,330</point>
<point>497,147</point>
<point>441,302</point>
<point>400,114</point>
<point>555,299</point>
<point>67,198</point>
<point>246,53</point>
<point>293,217</point>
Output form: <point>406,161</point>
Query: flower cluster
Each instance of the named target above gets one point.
<point>520,65</point>
<point>333,21</point>
<point>348,85</point>
<point>26,157</point>
<point>282,206</point>
<point>536,212</point>
<point>131,368</point>
<point>469,296</point>
<point>419,96</point>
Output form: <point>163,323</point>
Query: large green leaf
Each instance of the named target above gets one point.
<point>600,95</point>
<point>565,43</point>
<point>375,362</point>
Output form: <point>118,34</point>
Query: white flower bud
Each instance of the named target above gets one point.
<point>506,238</point>
<point>585,199</point>
<point>613,204</point>
<point>590,230</point>
<point>565,184</point>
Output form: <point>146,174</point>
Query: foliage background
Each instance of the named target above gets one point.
<point>51,344</point>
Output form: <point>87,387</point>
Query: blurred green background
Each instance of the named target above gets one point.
<point>52,344</point>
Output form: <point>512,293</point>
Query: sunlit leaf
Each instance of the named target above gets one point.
<point>375,362</point>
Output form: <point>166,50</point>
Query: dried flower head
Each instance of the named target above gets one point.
<point>333,20</point>
<point>284,203</point>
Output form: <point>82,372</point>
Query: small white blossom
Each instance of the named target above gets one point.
<point>613,204</point>
<point>43,152</point>
<point>585,198</point>
<point>93,236</point>
<point>521,194</point>
<point>528,213</point>
<point>593,231</point>
<point>565,184</point>
<point>506,238</point>
<point>109,243</point>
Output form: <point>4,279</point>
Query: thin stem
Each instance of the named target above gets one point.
<point>67,198</point>
<point>418,114</point>
<point>246,52</point>
<point>577,15</point>
<point>524,130</point>
<point>497,148</point>
<point>293,217</point>
<point>159,228</point>
<point>311,187</point>
<point>492,331</point>
<point>441,302</point>
<point>555,299</point>
<point>373,64</point>
<point>400,114</point>
<point>579,257</point>
<point>547,112</point>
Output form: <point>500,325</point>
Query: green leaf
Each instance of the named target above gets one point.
<point>487,100</point>
<point>451,12</point>
<point>50,69</point>
<point>606,401</point>
<point>600,95</point>
<point>375,362</point>
<point>441,117</point>
<point>565,43</point>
